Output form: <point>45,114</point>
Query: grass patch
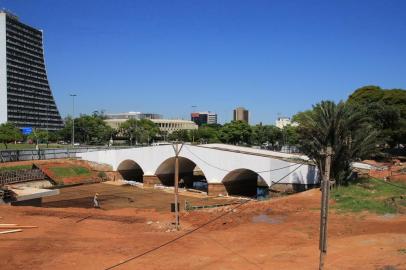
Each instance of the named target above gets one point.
<point>15,168</point>
<point>72,171</point>
<point>370,195</point>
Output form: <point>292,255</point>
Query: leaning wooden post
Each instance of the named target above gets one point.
<point>325,195</point>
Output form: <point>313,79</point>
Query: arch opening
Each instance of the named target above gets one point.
<point>131,171</point>
<point>245,183</point>
<point>190,175</point>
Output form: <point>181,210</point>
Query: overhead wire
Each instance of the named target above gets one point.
<point>226,170</point>
<point>191,231</point>
<point>176,238</point>
<point>221,215</point>
<point>274,183</point>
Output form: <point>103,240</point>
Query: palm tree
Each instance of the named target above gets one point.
<point>346,130</point>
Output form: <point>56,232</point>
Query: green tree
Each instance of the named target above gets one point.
<point>139,131</point>
<point>180,135</point>
<point>53,136</point>
<point>148,131</point>
<point>194,135</point>
<point>290,135</point>
<point>209,133</point>
<point>9,133</point>
<point>340,126</point>
<point>89,129</point>
<point>386,109</point>
<point>65,133</point>
<point>39,136</point>
<point>236,132</point>
<point>163,135</point>
<point>366,95</point>
<point>266,134</point>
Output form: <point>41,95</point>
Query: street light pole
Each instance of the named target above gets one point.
<point>135,133</point>
<point>73,119</point>
<point>193,134</point>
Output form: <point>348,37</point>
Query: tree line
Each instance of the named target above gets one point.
<point>369,122</point>
<point>368,125</point>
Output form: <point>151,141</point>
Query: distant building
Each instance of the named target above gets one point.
<point>241,114</point>
<point>282,122</point>
<point>133,115</point>
<point>167,125</point>
<point>171,125</point>
<point>201,118</point>
<point>25,95</point>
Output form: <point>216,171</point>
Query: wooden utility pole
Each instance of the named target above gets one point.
<point>325,195</point>
<point>177,151</point>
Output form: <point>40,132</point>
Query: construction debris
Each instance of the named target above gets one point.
<point>18,227</point>
<point>14,228</point>
<point>11,231</point>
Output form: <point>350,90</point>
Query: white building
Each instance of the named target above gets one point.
<point>133,115</point>
<point>171,125</point>
<point>282,122</point>
<point>168,125</point>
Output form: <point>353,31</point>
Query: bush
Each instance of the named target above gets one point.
<point>370,195</point>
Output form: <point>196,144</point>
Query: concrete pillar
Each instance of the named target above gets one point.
<point>150,180</point>
<point>114,176</point>
<point>215,189</point>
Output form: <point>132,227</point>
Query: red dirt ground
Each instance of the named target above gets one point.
<point>78,238</point>
<point>394,171</point>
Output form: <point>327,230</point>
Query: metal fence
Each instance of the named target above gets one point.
<point>18,176</point>
<point>49,153</point>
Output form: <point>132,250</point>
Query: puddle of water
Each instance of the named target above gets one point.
<point>262,218</point>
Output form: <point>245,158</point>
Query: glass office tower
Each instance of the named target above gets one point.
<point>25,96</point>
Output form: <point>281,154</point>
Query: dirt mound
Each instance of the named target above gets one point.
<point>89,176</point>
<point>93,172</point>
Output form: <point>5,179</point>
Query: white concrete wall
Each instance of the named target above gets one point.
<point>214,163</point>
<point>3,69</point>
<point>361,165</point>
<point>255,151</point>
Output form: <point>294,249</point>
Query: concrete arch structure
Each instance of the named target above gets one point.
<point>165,172</point>
<point>215,163</point>
<point>243,182</point>
<point>130,170</point>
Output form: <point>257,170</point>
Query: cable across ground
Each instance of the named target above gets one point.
<point>191,231</point>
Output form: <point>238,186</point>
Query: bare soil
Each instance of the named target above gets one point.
<point>278,234</point>
<point>393,171</point>
<point>119,196</point>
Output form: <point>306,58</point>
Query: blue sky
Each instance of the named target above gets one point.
<point>165,56</point>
